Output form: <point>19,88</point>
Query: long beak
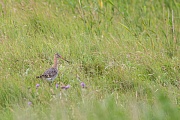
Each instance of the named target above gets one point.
<point>65,59</point>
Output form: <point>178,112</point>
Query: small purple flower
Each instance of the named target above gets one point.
<point>37,85</point>
<point>83,85</point>
<point>29,103</point>
<point>65,87</point>
<point>68,86</point>
<point>57,85</point>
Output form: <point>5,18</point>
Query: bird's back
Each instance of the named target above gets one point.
<point>50,74</point>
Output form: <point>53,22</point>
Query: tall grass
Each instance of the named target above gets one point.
<point>126,52</point>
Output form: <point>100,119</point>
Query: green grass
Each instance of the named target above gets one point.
<point>126,52</point>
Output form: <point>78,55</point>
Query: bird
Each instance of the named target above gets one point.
<point>51,73</point>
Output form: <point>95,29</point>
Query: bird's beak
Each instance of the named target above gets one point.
<point>64,59</point>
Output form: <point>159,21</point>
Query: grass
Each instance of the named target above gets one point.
<point>126,52</point>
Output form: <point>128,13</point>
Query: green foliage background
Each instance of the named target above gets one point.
<point>126,52</point>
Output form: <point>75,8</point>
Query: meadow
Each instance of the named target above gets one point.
<point>127,52</point>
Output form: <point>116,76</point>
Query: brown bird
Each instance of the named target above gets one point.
<point>51,73</point>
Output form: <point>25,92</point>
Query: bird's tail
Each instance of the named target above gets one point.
<point>39,76</point>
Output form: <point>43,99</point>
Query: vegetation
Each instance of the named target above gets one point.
<point>126,53</point>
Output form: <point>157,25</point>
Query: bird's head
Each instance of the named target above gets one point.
<point>57,55</point>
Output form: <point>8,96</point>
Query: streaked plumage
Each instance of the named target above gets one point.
<point>51,73</point>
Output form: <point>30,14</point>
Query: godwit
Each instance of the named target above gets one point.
<point>51,73</point>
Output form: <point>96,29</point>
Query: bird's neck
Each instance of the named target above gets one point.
<point>55,65</point>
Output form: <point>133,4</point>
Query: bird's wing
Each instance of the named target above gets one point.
<point>50,72</point>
